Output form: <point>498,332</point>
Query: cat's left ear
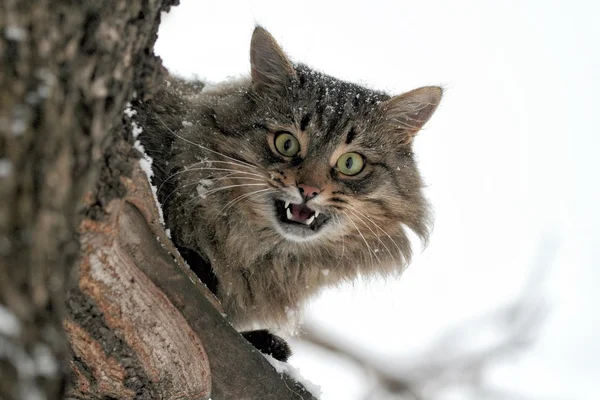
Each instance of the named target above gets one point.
<point>407,113</point>
<point>270,66</point>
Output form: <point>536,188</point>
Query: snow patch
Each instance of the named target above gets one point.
<point>161,216</point>
<point>18,127</point>
<point>45,362</point>
<point>29,367</point>
<point>135,129</point>
<point>186,123</point>
<point>146,161</point>
<point>5,167</point>
<point>9,324</point>
<point>229,82</point>
<point>203,187</point>
<point>294,373</point>
<point>130,112</point>
<point>15,33</point>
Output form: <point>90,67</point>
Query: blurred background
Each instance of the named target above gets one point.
<point>502,303</point>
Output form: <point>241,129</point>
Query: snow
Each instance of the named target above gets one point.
<point>15,33</point>
<point>130,112</point>
<point>186,123</point>
<point>46,363</point>
<point>508,158</point>
<point>145,161</point>
<point>135,129</point>
<point>18,126</point>
<point>294,373</point>
<point>5,167</point>
<point>40,364</point>
<point>146,167</point>
<point>203,187</point>
<point>9,324</point>
<point>224,83</point>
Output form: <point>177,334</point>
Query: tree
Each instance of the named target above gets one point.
<point>79,226</point>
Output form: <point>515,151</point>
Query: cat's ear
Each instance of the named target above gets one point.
<point>407,113</point>
<point>270,66</point>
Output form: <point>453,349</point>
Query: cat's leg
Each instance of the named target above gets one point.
<point>269,343</point>
<point>264,341</point>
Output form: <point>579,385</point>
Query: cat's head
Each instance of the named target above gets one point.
<point>334,159</point>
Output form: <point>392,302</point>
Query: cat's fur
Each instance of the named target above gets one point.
<point>223,139</point>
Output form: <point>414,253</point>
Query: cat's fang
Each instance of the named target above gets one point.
<point>288,213</point>
<point>316,214</point>
<point>287,204</point>
<point>310,220</point>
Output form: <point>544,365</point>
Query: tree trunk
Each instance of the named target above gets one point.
<point>66,70</point>
<point>139,325</point>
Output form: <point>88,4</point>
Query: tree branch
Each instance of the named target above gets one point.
<point>447,363</point>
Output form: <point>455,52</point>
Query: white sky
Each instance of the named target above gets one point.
<point>510,159</point>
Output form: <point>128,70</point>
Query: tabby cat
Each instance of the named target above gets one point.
<point>286,182</point>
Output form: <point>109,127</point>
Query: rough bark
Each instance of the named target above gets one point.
<point>139,325</point>
<point>66,70</point>
<point>128,339</point>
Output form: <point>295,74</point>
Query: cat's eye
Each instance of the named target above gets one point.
<point>286,144</point>
<point>350,164</point>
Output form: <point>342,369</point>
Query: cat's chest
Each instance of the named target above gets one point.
<point>274,266</point>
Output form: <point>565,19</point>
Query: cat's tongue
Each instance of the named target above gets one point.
<point>300,212</point>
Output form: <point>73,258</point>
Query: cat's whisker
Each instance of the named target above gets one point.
<point>354,211</point>
<point>188,168</point>
<point>206,194</point>
<point>233,175</point>
<point>230,176</point>
<point>376,235</point>
<point>232,186</point>
<point>401,254</point>
<point>242,197</point>
<point>200,146</point>
<point>207,169</point>
<point>175,174</point>
<point>339,222</point>
<point>209,162</point>
<point>231,163</point>
<point>371,252</point>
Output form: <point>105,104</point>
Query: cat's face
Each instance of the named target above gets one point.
<point>330,158</point>
<point>335,168</point>
<point>335,182</point>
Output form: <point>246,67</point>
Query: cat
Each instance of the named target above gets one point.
<point>288,181</point>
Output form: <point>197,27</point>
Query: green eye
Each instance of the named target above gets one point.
<point>350,163</point>
<point>287,144</point>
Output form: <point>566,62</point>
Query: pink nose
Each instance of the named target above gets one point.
<point>308,191</point>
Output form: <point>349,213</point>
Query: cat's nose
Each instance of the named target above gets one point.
<point>308,191</point>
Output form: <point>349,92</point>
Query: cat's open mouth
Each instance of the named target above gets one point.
<point>300,215</point>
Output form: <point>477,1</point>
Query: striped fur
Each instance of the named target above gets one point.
<point>218,175</point>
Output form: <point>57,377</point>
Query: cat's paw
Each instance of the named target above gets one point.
<point>269,343</point>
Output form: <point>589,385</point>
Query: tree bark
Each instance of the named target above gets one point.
<point>139,325</point>
<point>66,70</point>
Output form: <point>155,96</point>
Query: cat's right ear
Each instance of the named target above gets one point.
<point>270,66</point>
<point>407,113</point>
